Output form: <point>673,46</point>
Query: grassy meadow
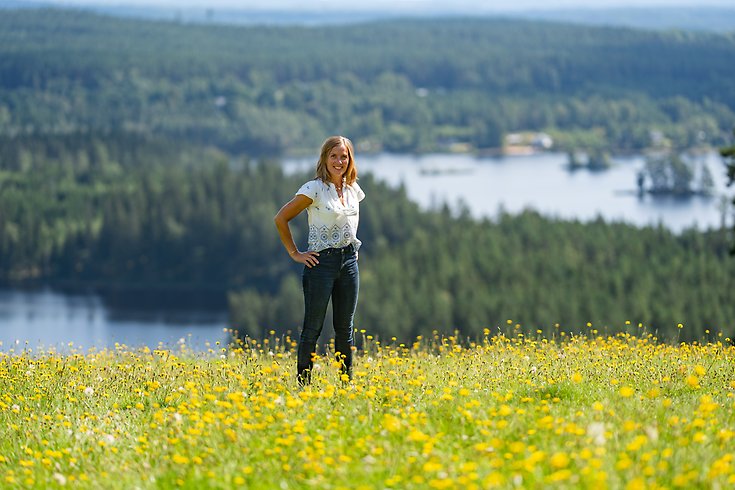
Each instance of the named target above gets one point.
<point>505,411</point>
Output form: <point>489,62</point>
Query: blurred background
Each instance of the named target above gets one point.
<point>532,167</point>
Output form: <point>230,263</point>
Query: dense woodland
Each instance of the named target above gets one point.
<point>144,155</point>
<point>402,85</point>
<point>114,210</point>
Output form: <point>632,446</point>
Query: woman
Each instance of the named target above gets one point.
<point>332,202</point>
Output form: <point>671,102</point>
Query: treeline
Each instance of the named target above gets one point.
<point>114,208</point>
<point>86,210</point>
<point>120,164</point>
<point>728,155</point>
<point>408,85</point>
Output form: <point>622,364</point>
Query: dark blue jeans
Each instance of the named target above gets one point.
<point>336,276</point>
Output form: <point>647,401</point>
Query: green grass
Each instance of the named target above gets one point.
<point>507,412</point>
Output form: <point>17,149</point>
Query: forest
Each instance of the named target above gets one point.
<point>146,155</point>
<point>112,209</point>
<point>410,85</point>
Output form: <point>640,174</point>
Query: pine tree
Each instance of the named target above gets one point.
<point>729,155</point>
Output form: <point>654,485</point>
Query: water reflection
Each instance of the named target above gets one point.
<point>47,318</point>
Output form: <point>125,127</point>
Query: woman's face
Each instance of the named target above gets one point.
<point>337,162</point>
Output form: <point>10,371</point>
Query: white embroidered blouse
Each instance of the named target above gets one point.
<point>331,223</point>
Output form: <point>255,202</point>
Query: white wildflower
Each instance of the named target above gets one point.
<point>369,460</point>
<point>652,433</point>
<point>596,432</point>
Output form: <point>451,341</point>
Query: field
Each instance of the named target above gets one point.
<point>504,411</point>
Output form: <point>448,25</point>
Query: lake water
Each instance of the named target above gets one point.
<point>51,319</point>
<point>543,182</point>
<point>54,319</point>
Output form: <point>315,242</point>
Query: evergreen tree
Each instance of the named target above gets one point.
<point>728,154</point>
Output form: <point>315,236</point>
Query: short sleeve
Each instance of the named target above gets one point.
<point>309,190</point>
<point>358,191</point>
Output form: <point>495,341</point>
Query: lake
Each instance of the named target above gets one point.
<point>542,182</point>
<point>52,319</point>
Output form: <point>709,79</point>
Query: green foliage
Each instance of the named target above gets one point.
<point>117,163</point>
<point>671,174</point>
<point>409,85</point>
<point>728,154</point>
<point>186,217</point>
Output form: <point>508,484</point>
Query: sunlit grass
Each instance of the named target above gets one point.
<point>506,411</point>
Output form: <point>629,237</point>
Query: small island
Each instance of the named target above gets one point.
<point>589,159</point>
<point>669,174</point>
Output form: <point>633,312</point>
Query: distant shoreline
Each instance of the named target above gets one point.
<point>711,18</point>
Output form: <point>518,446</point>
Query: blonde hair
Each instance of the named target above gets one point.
<point>350,174</point>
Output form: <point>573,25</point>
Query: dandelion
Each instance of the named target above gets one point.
<point>636,484</point>
<point>637,443</point>
<point>417,436</point>
<point>559,460</point>
<point>432,466</point>
<point>493,480</point>
<point>391,423</point>
<point>179,459</point>
<point>626,391</point>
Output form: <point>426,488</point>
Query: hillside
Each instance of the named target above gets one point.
<point>701,18</point>
<point>506,412</point>
<point>406,85</point>
<point>111,211</point>
<point>131,156</point>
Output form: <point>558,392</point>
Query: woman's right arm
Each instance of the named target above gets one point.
<point>288,212</point>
